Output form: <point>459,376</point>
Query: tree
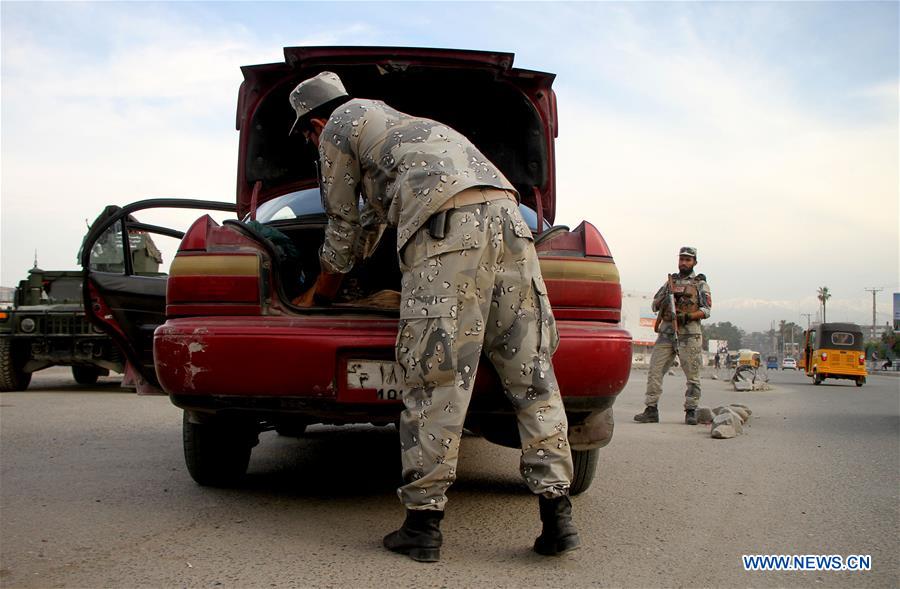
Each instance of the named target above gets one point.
<point>824,295</point>
<point>890,341</point>
<point>724,330</point>
<point>789,333</point>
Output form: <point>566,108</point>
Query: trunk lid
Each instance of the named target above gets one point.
<point>509,113</point>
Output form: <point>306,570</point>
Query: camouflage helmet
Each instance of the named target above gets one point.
<point>688,251</point>
<point>313,93</point>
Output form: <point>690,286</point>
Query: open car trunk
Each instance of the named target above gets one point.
<point>373,283</point>
<point>292,228</point>
<point>508,113</point>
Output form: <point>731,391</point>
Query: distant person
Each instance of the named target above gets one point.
<point>693,302</point>
<point>718,361</point>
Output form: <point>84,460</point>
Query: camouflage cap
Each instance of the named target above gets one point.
<point>313,93</point>
<point>688,251</point>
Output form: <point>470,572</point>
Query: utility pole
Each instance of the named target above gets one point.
<point>807,315</point>
<point>873,290</point>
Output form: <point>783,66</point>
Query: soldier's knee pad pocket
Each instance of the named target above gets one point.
<point>428,329</point>
<point>546,323</point>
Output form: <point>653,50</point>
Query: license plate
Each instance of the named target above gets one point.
<point>385,378</point>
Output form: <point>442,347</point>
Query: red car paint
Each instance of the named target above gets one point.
<point>231,343</point>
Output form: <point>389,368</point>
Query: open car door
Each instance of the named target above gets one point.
<point>124,287</point>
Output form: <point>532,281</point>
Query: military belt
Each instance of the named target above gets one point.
<point>474,196</point>
<point>437,224</point>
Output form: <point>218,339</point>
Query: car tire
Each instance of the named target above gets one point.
<point>12,363</point>
<point>217,452</point>
<point>86,375</point>
<point>817,380</point>
<point>860,381</point>
<point>585,463</point>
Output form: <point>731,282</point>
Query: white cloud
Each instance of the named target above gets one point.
<point>779,199</point>
<point>151,116</point>
<point>664,141</point>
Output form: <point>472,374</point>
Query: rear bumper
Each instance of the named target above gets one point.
<point>298,365</point>
<point>839,371</point>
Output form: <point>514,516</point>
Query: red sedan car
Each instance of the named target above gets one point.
<point>219,335</point>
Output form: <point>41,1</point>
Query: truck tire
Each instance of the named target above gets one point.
<point>12,361</point>
<point>585,463</point>
<point>86,375</point>
<point>217,453</point>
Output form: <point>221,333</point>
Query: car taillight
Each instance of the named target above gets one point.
<point>824,356</point>
<point>862,359</point>
<point>196,237</point>
<point>214,284</point>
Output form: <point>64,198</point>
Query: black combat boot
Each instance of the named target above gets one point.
<point>650,415</point>
<point>559,533</point>
<point>419,537</point>
<point>690,416</point>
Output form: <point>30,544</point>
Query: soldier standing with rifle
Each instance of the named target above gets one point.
<point>682,303</point>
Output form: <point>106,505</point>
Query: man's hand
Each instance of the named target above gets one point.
<point>322,292</point>
<point>683,318</point>
<point>306,299</point>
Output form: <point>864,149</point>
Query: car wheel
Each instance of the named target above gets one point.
<point>86,374</point>
<point>860,381</point>
<point>291,430</point>
<point>585,463</point>
<point>12,362</point>
<point>217,452</point>
<point>817,379</point>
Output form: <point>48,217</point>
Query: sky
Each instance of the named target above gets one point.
<point>763,133</point>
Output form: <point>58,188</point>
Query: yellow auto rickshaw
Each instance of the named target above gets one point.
<point>834,350</point>
<point>749,358</point>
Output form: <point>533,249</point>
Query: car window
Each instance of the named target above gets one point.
<point>309,202</point>
<point>841,338</point>
<point>107,254</point>
<point>290,206</point>
<point>530,216</point>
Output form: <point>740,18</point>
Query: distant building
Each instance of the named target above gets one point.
<point>896,311</point>
<point>638,319</point>
<point>7,294</point>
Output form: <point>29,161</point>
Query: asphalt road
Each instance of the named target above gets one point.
<point>94,493</point>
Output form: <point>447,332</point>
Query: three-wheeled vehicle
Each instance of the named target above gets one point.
<point>771,362</point>
<point>748,358</point>
<point>834,350</point>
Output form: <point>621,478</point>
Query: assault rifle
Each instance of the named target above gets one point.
<point>670,304</point>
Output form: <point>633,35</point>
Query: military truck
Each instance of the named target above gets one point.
<point>46,326</point>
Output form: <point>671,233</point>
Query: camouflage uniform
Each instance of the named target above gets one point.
<point>478,288</point>
<point>689,340</point>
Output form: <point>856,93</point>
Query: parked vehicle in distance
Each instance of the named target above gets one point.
<point>748,358</point>
<point>789,363</point>
<point>835,350</point>
<point>220,336</point>
<point>771,362</point>
<point>46,326</point>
